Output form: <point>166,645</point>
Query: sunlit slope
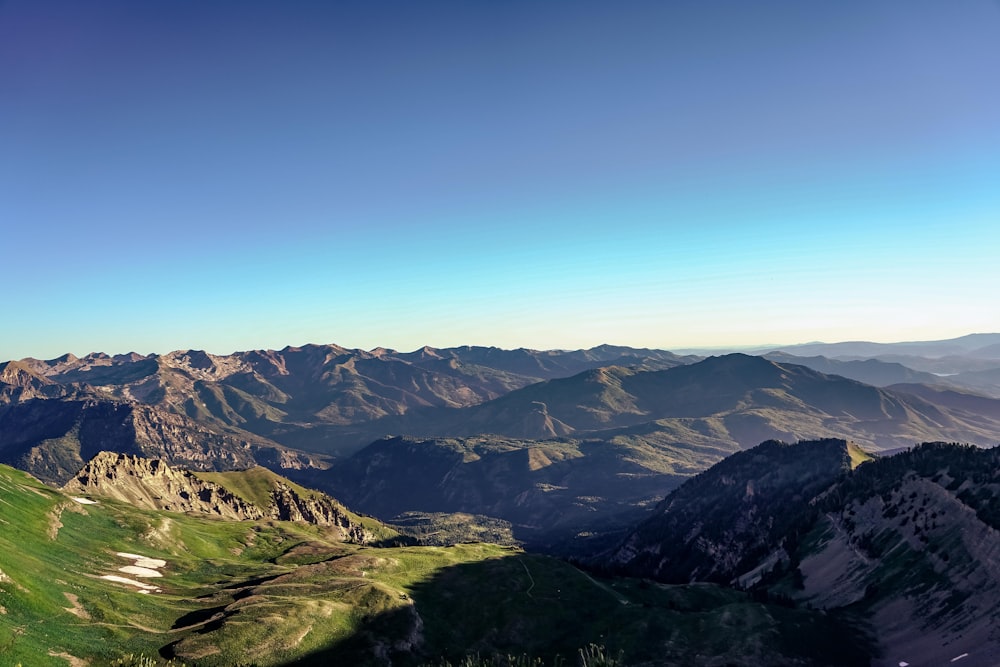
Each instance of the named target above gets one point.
<point>54,551</point>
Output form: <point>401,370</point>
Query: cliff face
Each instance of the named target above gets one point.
<point>152,484</point>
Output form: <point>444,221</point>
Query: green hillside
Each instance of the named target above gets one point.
<point>278,593</point>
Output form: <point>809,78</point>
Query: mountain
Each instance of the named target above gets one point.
<point>721,523</point>
<point>970,406</point>
<point>53,438</point>
<point>964,345</point>
<point>323,398</point>
<point>985,381</point>
<point>735,401</point>
<point>906,541</point>
<point>869,371</point>
<point>550,490</point>
<point>578,456</point>
<point>555,458</point>
<point>18,382</point>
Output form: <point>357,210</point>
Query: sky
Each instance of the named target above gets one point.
<point>233,175</point>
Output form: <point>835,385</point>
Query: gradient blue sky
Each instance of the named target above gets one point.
<point>238,175</point>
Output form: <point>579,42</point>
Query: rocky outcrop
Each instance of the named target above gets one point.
<point>321,510</point>
<point>152,484</point>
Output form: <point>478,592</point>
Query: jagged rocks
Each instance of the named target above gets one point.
<point>152,484</point>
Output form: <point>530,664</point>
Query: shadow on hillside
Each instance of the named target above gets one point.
<point>527,604</point>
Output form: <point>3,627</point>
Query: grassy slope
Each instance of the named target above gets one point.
<point>254,486</point>
<point>271,593</point>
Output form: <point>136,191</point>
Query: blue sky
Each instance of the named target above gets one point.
<point>238,175</point>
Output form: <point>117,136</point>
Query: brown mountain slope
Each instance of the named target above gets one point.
<point>322,397</point>
<point>747,398</point>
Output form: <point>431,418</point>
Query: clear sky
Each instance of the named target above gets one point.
<point>239,175</point>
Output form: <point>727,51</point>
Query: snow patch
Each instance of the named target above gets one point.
<point>140,571</point>
<point>143,561</point>
<point>143,587</point>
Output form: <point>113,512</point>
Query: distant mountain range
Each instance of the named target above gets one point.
<point>557,443</point>
<point>979,345</point>
<point>630,461</point>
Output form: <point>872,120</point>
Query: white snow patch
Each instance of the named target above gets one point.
<point>144,588</point>
<point>143,561</point>
<point>84,501</point>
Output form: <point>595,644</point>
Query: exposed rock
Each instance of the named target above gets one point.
<point>152,484</point>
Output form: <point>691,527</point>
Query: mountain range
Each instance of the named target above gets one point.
<point>560,444</point>
<point>694,533</point>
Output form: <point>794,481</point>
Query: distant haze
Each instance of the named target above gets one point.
<point>242,175</point>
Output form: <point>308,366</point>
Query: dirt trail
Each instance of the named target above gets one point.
<point>76,609</point>
<point>71,659</point>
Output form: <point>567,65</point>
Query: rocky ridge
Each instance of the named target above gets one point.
<point>908,542</point>
<point>152,484</point>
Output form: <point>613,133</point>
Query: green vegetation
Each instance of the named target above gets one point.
<point>274,593</point>
<point>254,485</point>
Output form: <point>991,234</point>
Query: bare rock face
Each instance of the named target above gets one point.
<point>18,382</point>
<point>288,505</point>
<point>152,484</point>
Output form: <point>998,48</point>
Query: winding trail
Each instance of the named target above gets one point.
<point>530,578</point>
